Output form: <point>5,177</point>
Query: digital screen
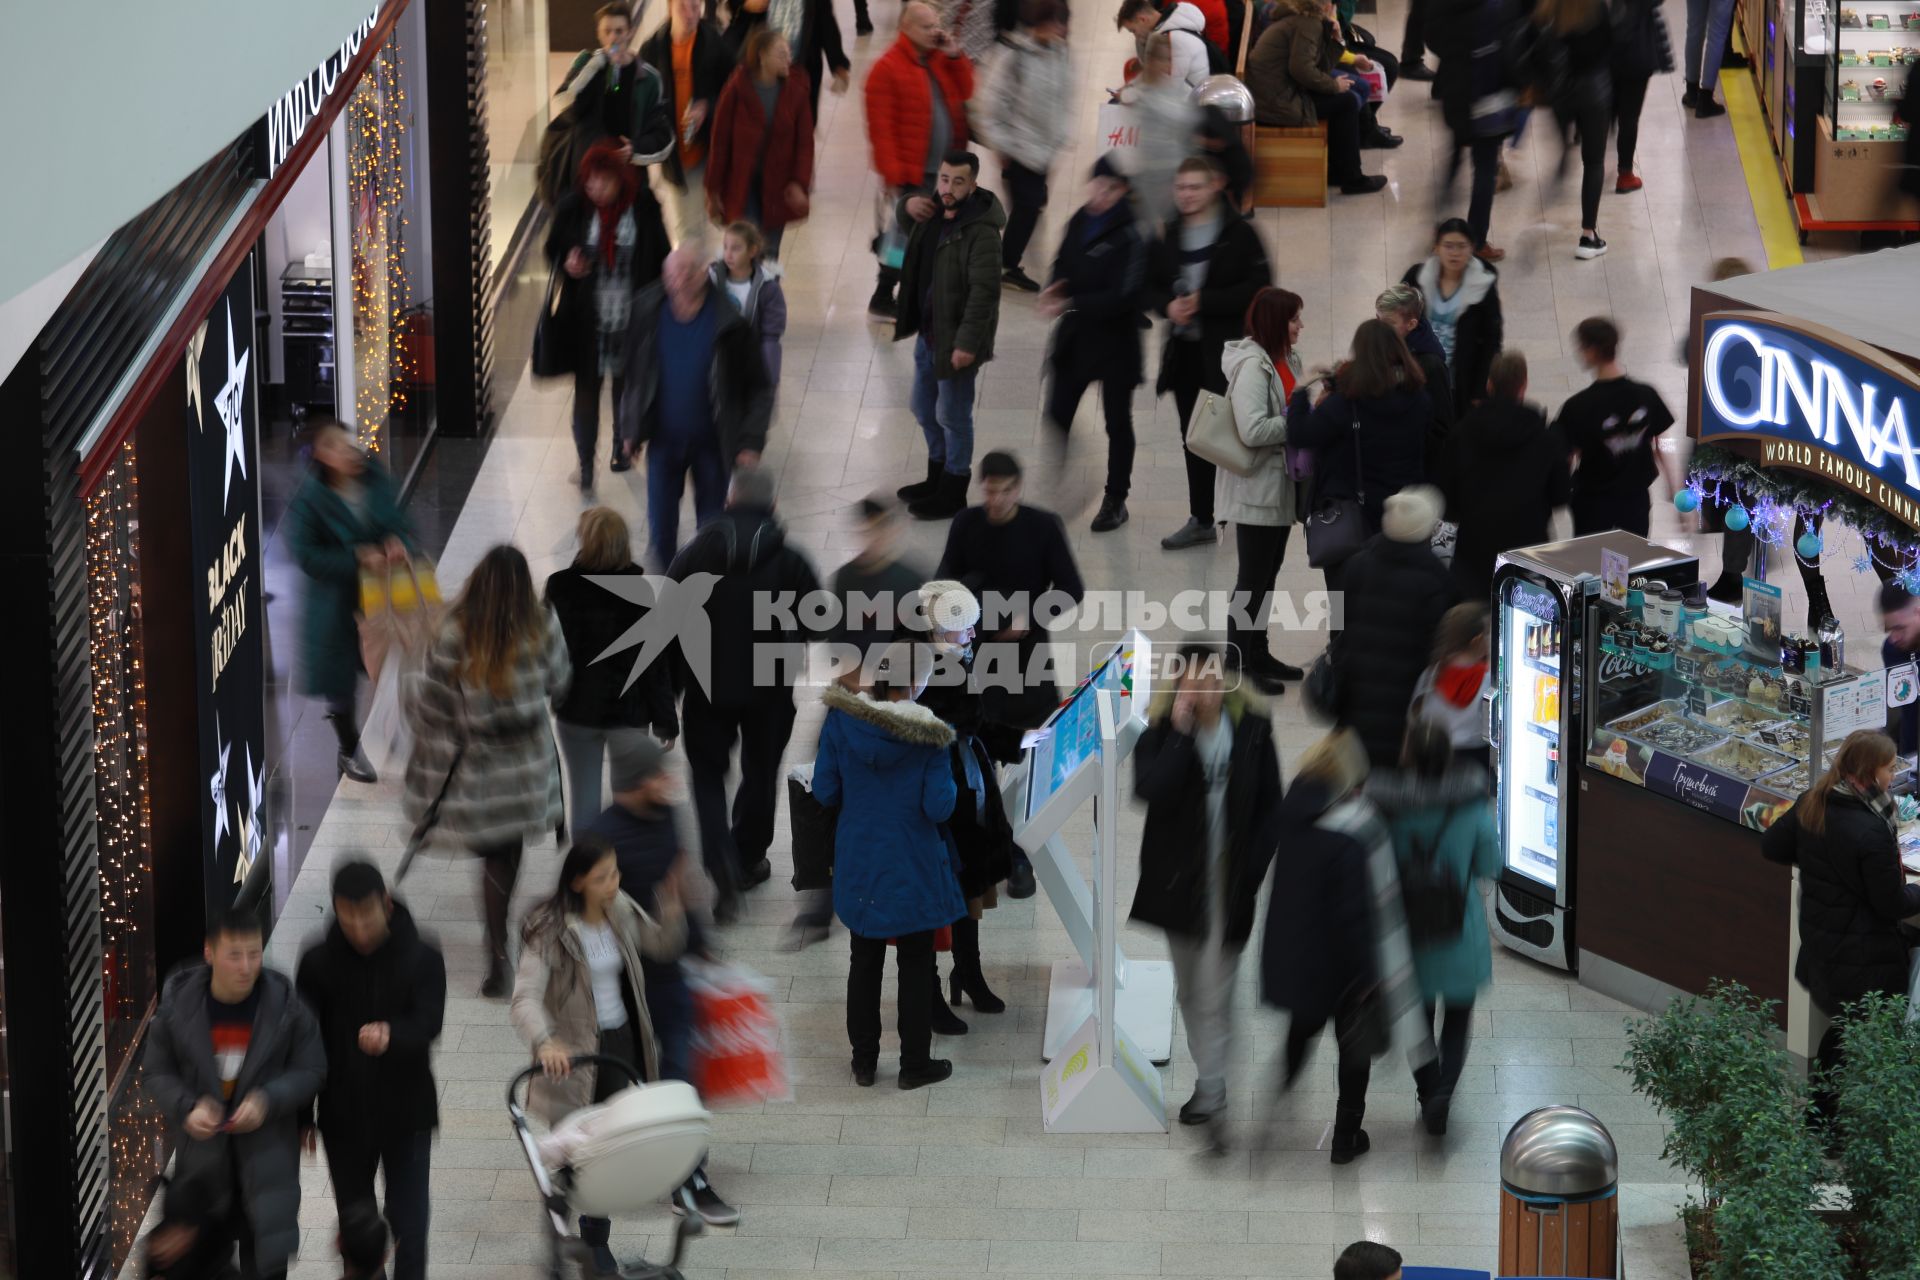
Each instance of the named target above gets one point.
<point>1532,639</point>
<point>1072,736</point>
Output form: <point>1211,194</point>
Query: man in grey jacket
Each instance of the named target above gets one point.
<point>234,1059</point>
<point>697,395</point>
<point>1025,117</point>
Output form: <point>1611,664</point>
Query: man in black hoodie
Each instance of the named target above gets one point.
<point>379,991</point>
<point>758,649</point>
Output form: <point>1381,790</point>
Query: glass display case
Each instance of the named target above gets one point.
<point>1873,45</point>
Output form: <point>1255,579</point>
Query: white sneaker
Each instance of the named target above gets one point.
<point>1590,247</point>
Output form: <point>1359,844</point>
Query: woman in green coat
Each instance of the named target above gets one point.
<point>1438,810</point>
<point>345,515</point>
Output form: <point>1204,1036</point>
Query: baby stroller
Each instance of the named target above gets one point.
<point>616,1158</point>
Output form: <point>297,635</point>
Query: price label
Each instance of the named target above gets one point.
<point>1697,701</point>
<point>1686,668</point>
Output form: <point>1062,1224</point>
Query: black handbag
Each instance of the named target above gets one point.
<point>1337,527</point>
<point>551,357</point>
<point>813,834</point>
<point>1432,892</point>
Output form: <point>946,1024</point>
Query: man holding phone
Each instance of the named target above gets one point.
<point>233,1060</point>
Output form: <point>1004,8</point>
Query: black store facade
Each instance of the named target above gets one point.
<point>333,259</point>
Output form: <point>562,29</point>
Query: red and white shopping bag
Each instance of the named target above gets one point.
<point>739,1049</point>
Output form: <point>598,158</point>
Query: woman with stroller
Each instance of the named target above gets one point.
<point>484,765</point>
<point>883,760</point>
<point>1436,806</point>
<point>579,990</point>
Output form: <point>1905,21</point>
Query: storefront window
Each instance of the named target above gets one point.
<point>390,257</point>
<point>518,90</point>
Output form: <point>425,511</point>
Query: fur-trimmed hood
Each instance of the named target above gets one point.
<point>1474,285</point>
<point>1399,791</point>
<point>907,723</point>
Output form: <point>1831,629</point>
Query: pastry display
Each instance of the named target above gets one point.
<point>1679,736</point>
<point>1792,780</point>
<point>1849,18</point>
<point>1739,717</point>
<point>1784,736</point>
<point>1741,760</point>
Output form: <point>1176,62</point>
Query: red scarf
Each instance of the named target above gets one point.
<point>1460,685</point>
<point>604,157</point>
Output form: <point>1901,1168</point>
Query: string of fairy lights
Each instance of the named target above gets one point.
<point>378,117</point>
<point>123,817</point>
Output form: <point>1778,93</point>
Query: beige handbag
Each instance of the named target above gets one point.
<point>1214,436</point>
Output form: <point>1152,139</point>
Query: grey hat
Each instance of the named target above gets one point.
<point>633,762</point>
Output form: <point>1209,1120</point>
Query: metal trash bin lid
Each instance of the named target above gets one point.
<point>1228,94</point>
<point>1559,1151</point>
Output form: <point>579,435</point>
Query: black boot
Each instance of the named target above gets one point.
<point>923,488</point>
<point>946,501</point>
<point>1020,883</point>
<point>597,1235</point>
<point>945,1021</point>
<point>1349,1139</point>
<point>967,979</point>
<point>351,761</point>
<point>1819,607</point>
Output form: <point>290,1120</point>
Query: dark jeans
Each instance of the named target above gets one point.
<point>1026,193</point>
<point>1413,45</point>
<point>1070,383</point>
<point>762,729</point>
<point>1629,96</point>
<point>1341,113</point>
<point>1352,1075</point>
<point>586,414</point>
<point>615,1042</point>
<point>406,1157</point>
<point>670,1006</point>
<point>917,979</point>
<point>1590,118</point>
<point>670,456</point>
<point>1486,175</point>
<point>1436,1080</point>
<point>756,215</point>
<point>1200,473</point>
<point>1260,549</point>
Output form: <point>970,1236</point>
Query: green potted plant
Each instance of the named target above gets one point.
<point>1877,1089</point>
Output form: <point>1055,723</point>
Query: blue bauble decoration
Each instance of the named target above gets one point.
<point>1686,500</point>
<point>1808,546</point>
<point>1736,519</point>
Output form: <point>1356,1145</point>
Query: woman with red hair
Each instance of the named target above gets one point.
<point>607,241</point>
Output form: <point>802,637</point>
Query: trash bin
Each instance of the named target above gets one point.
<point>1559,1182</point>
<point>1235,102</point>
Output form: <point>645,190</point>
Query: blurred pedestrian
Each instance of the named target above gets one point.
<point>1641,51</point>
<point>1024,116</point>
<point>950,306</point>
<point>812,33</point>
<point>1583,107</point>
<point>755,658</point>
<point>345,520</point>
<point>1097,295</point>
<point>363,1242</point>
<point>1210,776</point>
<point>1442,824</point>
<point>1480,95</point>
<point>578,990</point>
<point>1709,28</point>
<point>233,1061</point>
<point>694,61</point>
<point>1262,370</point>
<point>1402,308</point>
<point>1184,26</point>
<point>698,399</point>
<point>616,95</point>
<point>604,706</point>
<point>484,767</point>
<point>1366,1259</point>
<point>916,100</point>
<point>378,990</point>
<point>751,279</point>
<point>1504,473</point>
<point>1461,295</point>
<point>1166,120</point>
<point>1612,430</point>
<point>1206,268</point>
<point>883,763</point>
<point>644,827</point>
<point>761,170</point>
<point>607,241</point>
<point>1451,692</point>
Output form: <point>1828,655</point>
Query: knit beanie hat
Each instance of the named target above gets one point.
<point>632,759</point>
<point>1412,513</point>
<point>949,605</point>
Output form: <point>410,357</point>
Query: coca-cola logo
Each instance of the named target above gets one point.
<point>1616,669</point>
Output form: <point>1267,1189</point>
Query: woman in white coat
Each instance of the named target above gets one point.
<point>1262,370</point>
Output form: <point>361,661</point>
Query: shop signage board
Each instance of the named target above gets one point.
<point>1810,398</point>
<point>221,420</point>
<point>288,118</point>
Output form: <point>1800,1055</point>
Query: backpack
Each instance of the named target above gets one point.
<point>1434,897</point>
<point>1218,63</point>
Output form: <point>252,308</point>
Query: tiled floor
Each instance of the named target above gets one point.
<point>959,1179</point>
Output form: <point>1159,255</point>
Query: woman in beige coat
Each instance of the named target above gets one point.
<point>1262,370</point>
<point>579,990</point>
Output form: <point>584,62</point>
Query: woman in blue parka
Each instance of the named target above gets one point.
<point>883,762</point>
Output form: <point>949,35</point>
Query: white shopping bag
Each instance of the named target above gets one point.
<point>1119,126</point>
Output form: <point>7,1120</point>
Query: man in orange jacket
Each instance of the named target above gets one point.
<point>916,113</point>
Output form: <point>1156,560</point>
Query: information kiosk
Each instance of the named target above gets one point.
<point>1108,1018</point>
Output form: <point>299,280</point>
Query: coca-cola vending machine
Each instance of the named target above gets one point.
<point>1544,659</point>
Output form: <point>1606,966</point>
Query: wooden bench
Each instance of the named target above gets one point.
<point>1290,167</point>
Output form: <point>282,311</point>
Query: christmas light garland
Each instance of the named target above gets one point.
<point>378,118</point>
<point>1774,499</point>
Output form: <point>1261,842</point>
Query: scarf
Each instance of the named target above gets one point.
<point>1460,685</point>
<point>603,157</point>
<point>1879,801</point>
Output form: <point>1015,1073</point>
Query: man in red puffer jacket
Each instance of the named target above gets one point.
<point>916,112</point>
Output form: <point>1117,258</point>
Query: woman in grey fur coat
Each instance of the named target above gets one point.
<point>482,742</point>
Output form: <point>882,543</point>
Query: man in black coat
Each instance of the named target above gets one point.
<point>379,992</point>
<point>1098,295</point>
<point>1210,776</point>
<point>1504,473</point>
<point>1394,593</point>
<point>755,655</point>
<point>1206,267</point>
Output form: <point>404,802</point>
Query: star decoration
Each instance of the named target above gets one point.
<point>194,399</point>
<point>250,821</point>
<point>217,785</point>
<point>230,403</point>
<point>1863,564</point>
